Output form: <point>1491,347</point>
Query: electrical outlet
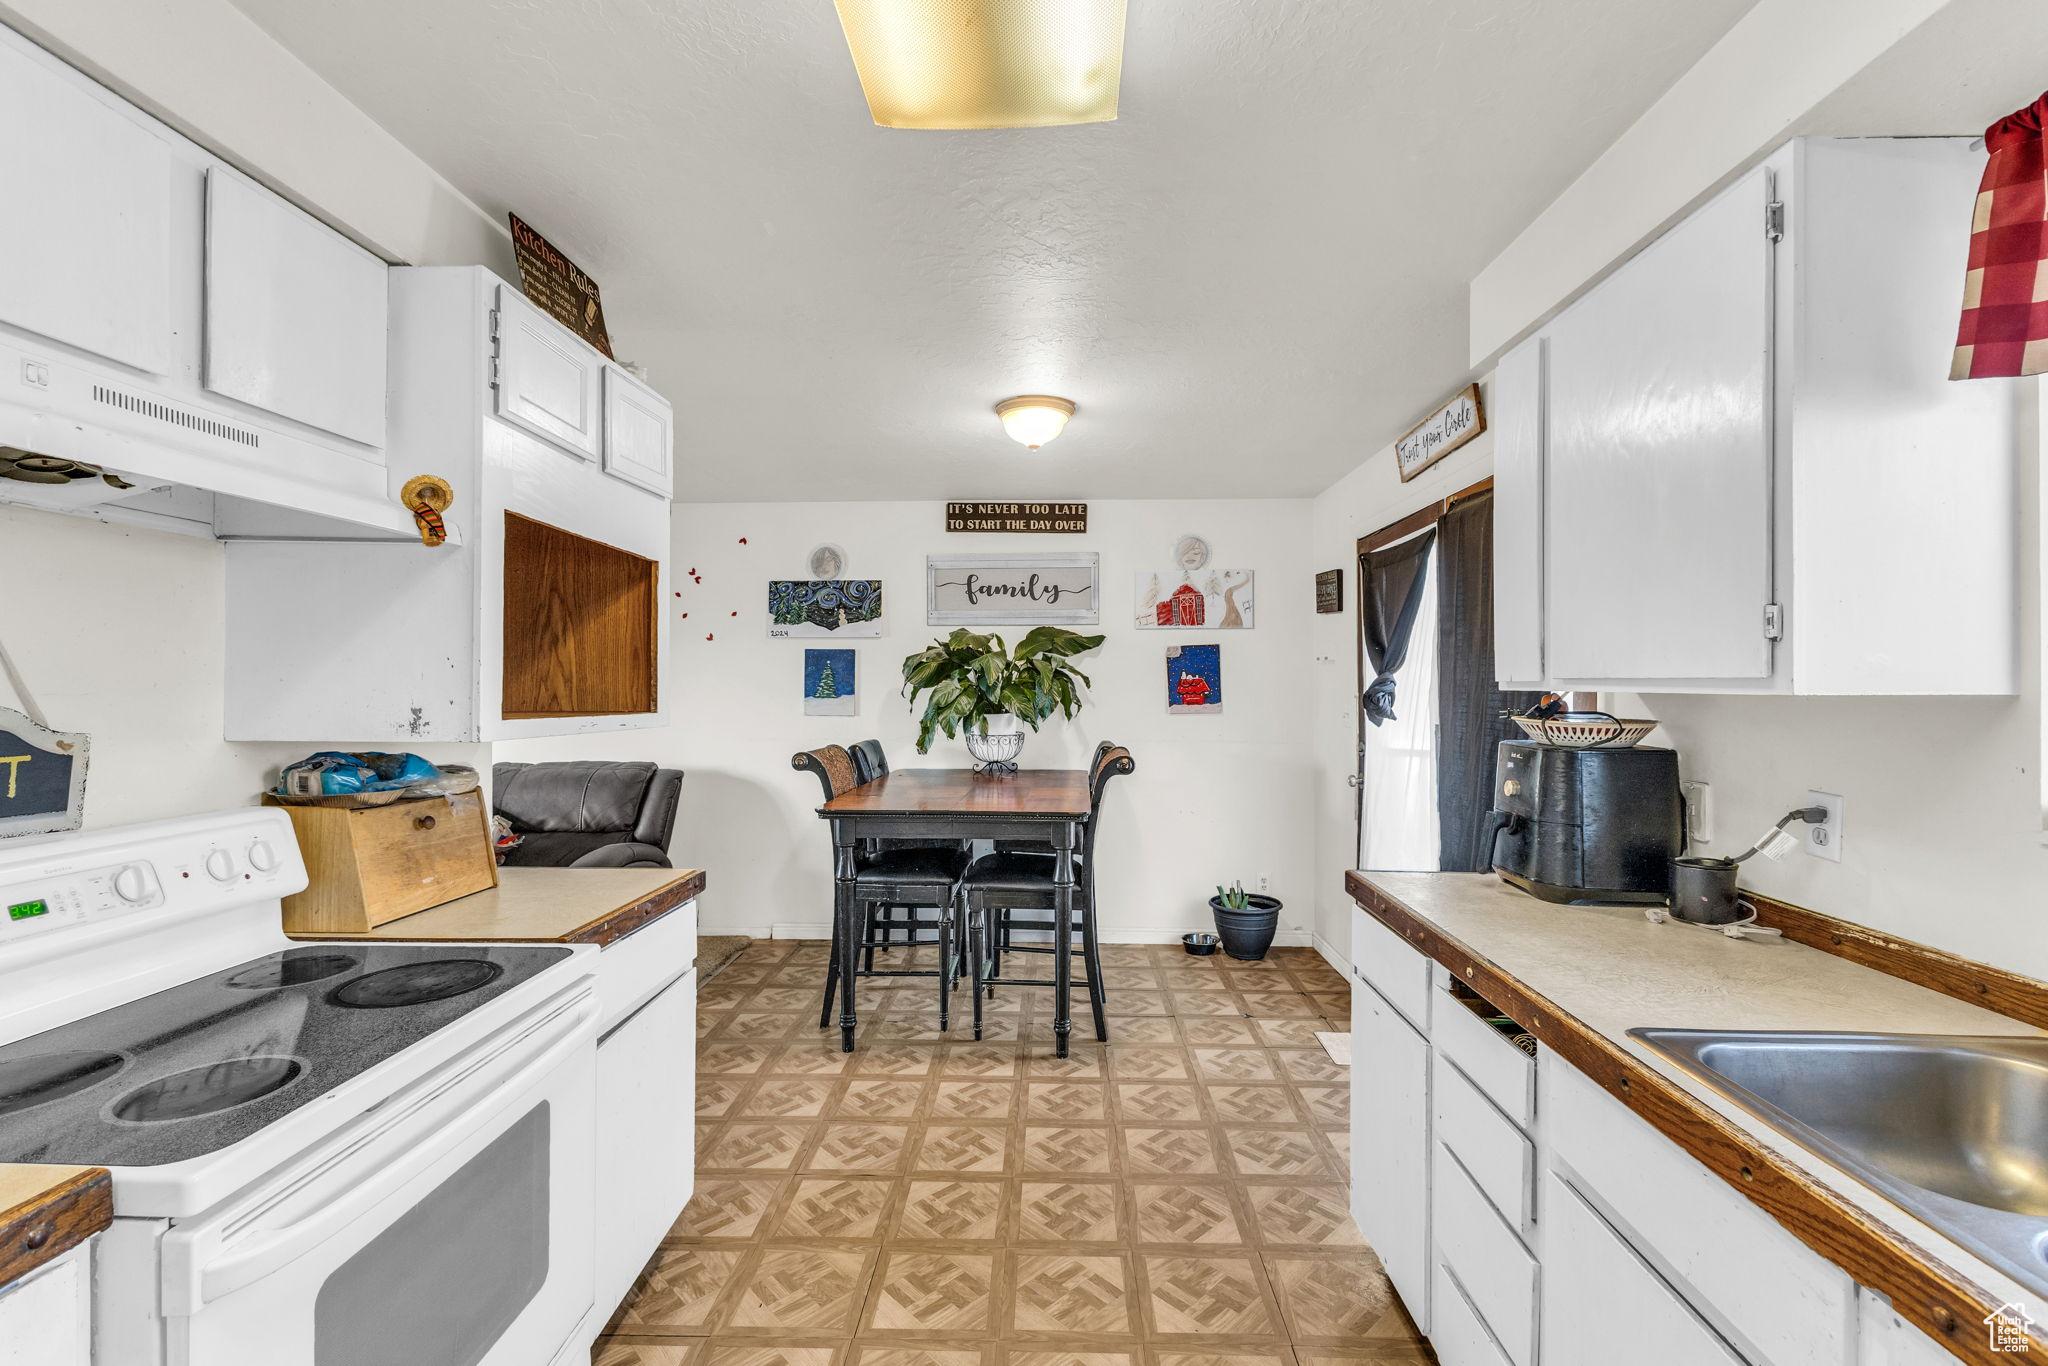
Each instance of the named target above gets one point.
<point>1825,839</point>
<point>1699,811</point>
<point>1265,884</point>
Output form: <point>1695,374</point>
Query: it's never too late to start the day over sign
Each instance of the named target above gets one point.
<point>1025,517</point>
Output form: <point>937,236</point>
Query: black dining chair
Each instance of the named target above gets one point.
<point>870,763</point>
<point>925,876</point>
<point>999,885</point>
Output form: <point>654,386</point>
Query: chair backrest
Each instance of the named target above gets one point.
<point>869,763</point>
<point>832,764</point>
<point>1110,760</point>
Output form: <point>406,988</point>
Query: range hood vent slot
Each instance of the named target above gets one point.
<point>164,412</point>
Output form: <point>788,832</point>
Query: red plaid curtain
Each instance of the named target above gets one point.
<point>2005,295</point>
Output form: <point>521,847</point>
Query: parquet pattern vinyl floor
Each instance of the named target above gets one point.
<point>1173,1198</point>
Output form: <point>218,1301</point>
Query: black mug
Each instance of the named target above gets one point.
<point>1703,891</point>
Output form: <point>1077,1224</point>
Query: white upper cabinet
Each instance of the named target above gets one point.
<point>638,432</point>
<point>548,381</point>
<point>1658,482</point>
<point>86,229</point>
<point>295,313</point>
<point>1738,464</point>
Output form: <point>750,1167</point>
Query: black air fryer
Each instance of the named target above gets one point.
<point>1586,824</point>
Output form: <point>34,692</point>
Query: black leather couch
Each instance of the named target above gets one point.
<point>587,814</point>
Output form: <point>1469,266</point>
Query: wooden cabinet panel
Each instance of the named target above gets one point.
<point>580,625</point>
<point>638,433</point>
<point>1516,411</point>
<point>86,231</point>
<point>295,313</point>
<point>1604,1306</point>
<point>548,381</point>
<point>1658,495</point>
<point>1390,1150</point>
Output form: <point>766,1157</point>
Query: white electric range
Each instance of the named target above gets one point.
<point>322,1154</point>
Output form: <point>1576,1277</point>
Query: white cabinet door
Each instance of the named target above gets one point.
<point>1390,1144</point>
<point>1517,414</point>
<point>638,432</point>
<point>646,1128</point>
<point>547,379</point>
<point>1657,491</point>
<point>295,313</point>
<point>1885,1339</point>
<point>1605,1306</point>
<point>46,1316</point>
<point>85,233</point>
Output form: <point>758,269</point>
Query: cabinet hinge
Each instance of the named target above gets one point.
<point>494,348</point>
<point>1774,622</point>
<point>1774,220</point>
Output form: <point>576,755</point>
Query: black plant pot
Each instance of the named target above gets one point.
<point>1248,933</point>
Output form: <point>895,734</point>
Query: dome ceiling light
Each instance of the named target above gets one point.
<point>958,64</point>
<point>1034,419</point>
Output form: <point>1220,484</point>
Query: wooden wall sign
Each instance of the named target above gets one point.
<point>1442,432</point>
<point>1008,590</point>
<point>558,287</point>
<point>1330,591</point>
<point>1063,517</point>
<point>42,777</point>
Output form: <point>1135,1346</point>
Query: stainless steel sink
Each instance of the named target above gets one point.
<point>1954,1129</point>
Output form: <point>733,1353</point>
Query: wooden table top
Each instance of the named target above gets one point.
<point>544,906</point>
<point>1045,792</point>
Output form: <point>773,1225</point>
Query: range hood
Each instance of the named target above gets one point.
<point>80,438</point>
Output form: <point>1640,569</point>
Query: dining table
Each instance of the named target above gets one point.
<point>1048,804</point>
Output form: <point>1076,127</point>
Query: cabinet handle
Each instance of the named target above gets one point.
<point>423,823</point>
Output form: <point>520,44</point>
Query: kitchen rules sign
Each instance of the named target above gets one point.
<point>1442,432</point>
<point>557,286</point>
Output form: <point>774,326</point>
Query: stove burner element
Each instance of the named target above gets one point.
<point>206,1090</point>
<point>415,983</point>
<point>29,1082</point>
<point>290,971</point>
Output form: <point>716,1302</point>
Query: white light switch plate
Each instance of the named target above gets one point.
<point>1825,840</point>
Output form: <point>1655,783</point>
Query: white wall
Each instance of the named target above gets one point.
<point>1362,502</point>
<point>121,633</point>
<point>1214,798</point>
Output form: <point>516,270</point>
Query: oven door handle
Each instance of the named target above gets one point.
<point>207,1262</point>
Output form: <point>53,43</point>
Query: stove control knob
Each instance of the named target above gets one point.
<point>132,883</point>
<point>262,857</point>
<point>220,865</point>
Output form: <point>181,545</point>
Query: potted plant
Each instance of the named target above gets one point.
<point>982,689</point>
<point>1245,921</point>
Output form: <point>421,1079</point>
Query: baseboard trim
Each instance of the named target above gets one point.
<point>1332,955</point>
<point>820,929</point>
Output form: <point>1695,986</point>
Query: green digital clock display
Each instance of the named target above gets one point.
<point>28,910</point>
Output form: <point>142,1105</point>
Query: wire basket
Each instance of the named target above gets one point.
<point>994,753</point>
<point>1584,730</point>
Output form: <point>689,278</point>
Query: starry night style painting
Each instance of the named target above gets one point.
<point>841,608</point>
<point>1194,678</point>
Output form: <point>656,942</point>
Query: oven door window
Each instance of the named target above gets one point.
<point>444,1282</point>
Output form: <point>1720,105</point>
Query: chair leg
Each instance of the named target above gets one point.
<point>945,971</point>
<point>976,961</point>
<point>1091,951</point>
<point>831,983</point>
<point>868,920</point>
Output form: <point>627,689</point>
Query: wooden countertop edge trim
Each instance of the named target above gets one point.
<point>44,1228</point>
<point>626,919</point>
<point>1925,1292</point>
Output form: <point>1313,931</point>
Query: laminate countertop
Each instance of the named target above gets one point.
<point>1583,976</point>
<point>544,906</point>
<point>46,1211</point>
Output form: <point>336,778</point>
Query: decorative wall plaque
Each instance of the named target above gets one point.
<point>1006,590</point>
<point>42,777</point>
<point>1442,432</point>
<point>1055,517</point>
<point>558,287</point>
<point>1330,591</point>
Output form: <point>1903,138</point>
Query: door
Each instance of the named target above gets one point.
<point>1603,1305</point>
<point>547,380</point>
<point>452,1226</point>
<point>1390,1144</point>
<point>638,434</point>
<point>86,232</point>
<point>646,1117</point>
<point>1657,478</point>
<point>295,313</point>
<point>1397,815</point>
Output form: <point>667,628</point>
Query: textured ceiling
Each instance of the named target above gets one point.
<point>1249,282</point>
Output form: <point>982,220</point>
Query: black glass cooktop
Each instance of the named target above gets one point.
<point>195,1068</point>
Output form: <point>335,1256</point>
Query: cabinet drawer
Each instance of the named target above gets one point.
<point>1458,1336</point>
<point>1776,1299</point>
<point>1488,1261</point>
<point>632,970</point>
<point>1487,1057</point>
<point>1392,965</point>
<point>1500,1161</point>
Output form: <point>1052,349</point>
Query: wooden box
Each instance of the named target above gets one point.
<point>369,865</point>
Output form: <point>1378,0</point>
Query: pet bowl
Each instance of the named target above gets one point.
<point>1201,945</point>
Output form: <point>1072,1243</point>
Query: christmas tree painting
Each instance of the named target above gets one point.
<point>829,683</point>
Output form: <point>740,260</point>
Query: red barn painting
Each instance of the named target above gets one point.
<point>1184,608</point>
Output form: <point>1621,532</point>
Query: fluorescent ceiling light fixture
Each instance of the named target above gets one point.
<point>986,63</point>
<point>1034,419</point>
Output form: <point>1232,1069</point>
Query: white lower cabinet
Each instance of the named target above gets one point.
<point>1390,1144</point>
<point>1603,1305</point>
<point>46,1316</point>
<point>646,1125</point>
<point>1885,1339</point>
<point>1496,1271</point>
<point>1458,1336</point>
